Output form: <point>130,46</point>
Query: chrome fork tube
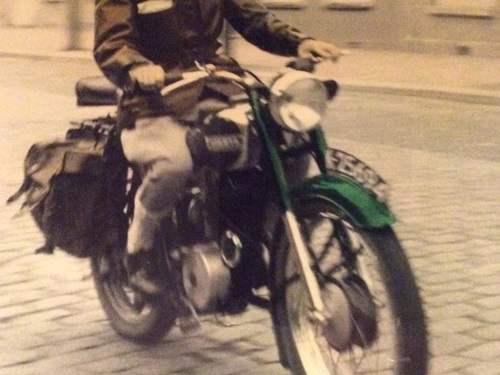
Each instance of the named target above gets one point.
<point>308,277</point>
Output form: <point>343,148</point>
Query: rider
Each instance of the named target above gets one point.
<point>137,42</point>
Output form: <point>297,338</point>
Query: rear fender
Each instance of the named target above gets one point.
<point>352,199</point>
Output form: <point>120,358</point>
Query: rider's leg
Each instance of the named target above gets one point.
<point>160,145</point>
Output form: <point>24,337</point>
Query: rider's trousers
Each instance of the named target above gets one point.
<point>158,145</point>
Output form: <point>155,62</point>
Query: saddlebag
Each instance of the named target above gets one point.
<point>75,188</point>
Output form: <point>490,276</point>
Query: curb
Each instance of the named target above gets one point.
<point>68,55</point>
<point>464,95</point>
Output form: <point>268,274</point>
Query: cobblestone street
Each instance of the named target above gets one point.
<point>50,320</point>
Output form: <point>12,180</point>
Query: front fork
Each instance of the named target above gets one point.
<point>294,234</point>
<point>299,246</point>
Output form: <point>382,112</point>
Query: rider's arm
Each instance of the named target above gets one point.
<point>261,28</point>
<point>115,49</point>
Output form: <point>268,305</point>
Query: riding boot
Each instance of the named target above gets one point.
<point>143,273</point>
<point>141,265</point>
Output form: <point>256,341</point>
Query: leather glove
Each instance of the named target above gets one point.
<point>317,50</point>
<point>149,77</point>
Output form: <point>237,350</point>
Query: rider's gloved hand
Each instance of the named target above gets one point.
<point>148,77</point>
<point>317,50</point>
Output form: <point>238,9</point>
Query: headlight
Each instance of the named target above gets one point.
<point>298,101</point>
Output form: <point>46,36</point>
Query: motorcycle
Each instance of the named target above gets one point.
<point>339,288</point>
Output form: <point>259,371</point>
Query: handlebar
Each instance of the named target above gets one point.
<point>204,71</point>
<point>176,80</point>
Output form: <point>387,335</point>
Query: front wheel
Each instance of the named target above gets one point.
<point>132,315</point>
<point>374,317</point>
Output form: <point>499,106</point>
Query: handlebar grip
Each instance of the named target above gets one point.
<point>172,77</point>
<point>303,64</point>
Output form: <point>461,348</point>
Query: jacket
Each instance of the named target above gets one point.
<point>174,34</point>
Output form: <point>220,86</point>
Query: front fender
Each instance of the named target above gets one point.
<point>353,200</point>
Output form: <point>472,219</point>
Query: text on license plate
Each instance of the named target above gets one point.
<point>349,165</point>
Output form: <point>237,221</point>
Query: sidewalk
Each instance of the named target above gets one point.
<point>460,78</point>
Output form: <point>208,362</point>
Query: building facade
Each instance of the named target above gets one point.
<point>432,26</point>
<point>435,26</point>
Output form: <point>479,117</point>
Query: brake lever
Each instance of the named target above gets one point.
<point>227,75</point>
<point>302,64</point>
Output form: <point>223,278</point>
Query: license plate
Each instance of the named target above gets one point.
<point>348,165</point>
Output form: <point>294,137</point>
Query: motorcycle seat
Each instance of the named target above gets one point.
<point>95,91</point>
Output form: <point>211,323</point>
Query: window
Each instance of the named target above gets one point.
<point>349,4</point>
<point>464,8</point>
<point>285,4</point>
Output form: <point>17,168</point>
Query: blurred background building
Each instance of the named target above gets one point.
<point>464,27</point>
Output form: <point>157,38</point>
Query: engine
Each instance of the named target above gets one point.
<point>206,271</point>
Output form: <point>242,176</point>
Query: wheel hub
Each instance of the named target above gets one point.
<point>351,314</point>
<point>338,326</point>
<point>363,309</point>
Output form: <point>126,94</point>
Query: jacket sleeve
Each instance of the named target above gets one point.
<point>260,27</point>
<point>115,43</point>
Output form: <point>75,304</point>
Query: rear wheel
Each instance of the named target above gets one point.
<point>132,315</point>
<point>374,318</point>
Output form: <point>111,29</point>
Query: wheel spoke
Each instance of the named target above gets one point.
<point>295,278</point>
<point>347,265</point>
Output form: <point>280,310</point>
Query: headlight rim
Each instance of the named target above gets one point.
<point>284,82</point>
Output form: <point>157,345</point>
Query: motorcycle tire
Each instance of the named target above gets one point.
<point>134,316</point>
<point>375,322</point>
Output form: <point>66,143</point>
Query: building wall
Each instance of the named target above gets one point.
<point>436,26</point>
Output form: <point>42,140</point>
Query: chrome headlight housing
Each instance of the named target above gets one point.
<point>298,101</point>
